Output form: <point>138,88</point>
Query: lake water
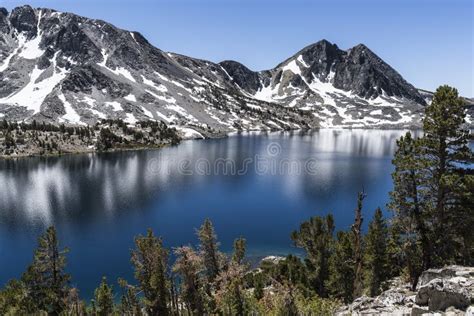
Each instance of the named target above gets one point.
<point>259,186</point>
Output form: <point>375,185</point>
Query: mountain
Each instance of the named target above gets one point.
<point>63,68</point>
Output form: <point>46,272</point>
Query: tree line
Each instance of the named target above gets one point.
<point>104,135</point>
<point>432,204</point>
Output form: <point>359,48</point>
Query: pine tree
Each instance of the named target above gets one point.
<point>129,304</point>
<point>445,146</point>
<point>150,262</point>
<point>340,283</point>
<point>239,250</point>
<point>395,257</point>
<point>104,299</point>
<point>209,249</point>
<point>45,278</point>
<point>230,294</point>
<point>13,299</point>
<point>259,284</point>
<point>189,266</point>
<point>376,254</point>
<point>409,198</point>
<point>74,305</point>
<point>465,210</point>
<point>358,251</point>
<point>315,237</point>
<point>286,300</point>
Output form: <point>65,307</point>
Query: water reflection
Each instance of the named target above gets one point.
<point>99,202</point>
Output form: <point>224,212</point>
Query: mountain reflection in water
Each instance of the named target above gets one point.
<point>99,202</point>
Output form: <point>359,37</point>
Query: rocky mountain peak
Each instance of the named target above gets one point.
<point>65,68</point>
<point>369,76</point>
<point>245,78</point>
<point>4,27</point>
<point>25,20</point>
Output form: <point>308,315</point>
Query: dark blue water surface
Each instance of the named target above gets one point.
<point>260,186</point>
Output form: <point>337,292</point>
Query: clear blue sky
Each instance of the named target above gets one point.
<point>430,42</point>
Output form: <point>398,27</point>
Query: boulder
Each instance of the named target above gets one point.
<point>445,273</point>
<point>439,294</point>
<point>446,291</point>
<point>470,311</point>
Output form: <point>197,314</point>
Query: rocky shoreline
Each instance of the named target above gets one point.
<point>444,291</point>
<point>76,145</point>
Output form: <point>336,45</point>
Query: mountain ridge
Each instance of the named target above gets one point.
<point>64,68</point>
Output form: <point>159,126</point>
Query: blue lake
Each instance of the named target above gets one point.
<point>260,186</point>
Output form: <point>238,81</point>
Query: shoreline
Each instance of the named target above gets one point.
<point>209,136</point>
<point>92,151</point>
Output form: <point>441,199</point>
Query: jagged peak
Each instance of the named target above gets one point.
<point>322,44</point>
<point>25,7</point>
<point>320,47</point>
<point>85,42</point>
<point>4,11</point>
<point>233,63</point>
<point>360,46</point>
<point>362,49</point>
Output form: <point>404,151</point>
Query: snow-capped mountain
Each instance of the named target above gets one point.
<point>61,67</point>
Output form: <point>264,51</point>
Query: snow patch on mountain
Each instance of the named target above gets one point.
<point>131,98</point>
<point>71,115</point>
<point>30,49</point>
<point>33,94</point>
<point>62,67</point>
<point>116,106</point>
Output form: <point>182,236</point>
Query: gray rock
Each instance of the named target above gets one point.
<point>446,291</point>
<point>440,294</point>
<point>445,273</point>
<point>24,19</point>
<point>470,311</point>
<point>106,72</point>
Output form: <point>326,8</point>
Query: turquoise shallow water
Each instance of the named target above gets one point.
<point>260,186</point>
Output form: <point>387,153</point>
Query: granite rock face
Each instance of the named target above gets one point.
<point>63,68</point>
<point>445,291</point>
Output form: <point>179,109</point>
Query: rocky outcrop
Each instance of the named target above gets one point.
<point>63,68</point>
<point>445,291</point>
<point>245,78</point>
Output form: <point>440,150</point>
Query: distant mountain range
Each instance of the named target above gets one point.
<point>63,68</point>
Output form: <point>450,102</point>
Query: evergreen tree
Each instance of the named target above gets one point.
<point>45,279</point>
<point>258,285</point>
<point>285,300</point>
<point>409,198</point>
<point>340,283</point>
<point>239,250</point>
<point>104,299</point>
<point>431,199</point>
<point>209,249</point>
<point>129,304</point>
<point>294,272</point>
<point>13,299</point>
<point>230,294</point>
<point>189,266</point>
<point>445,147</point>
<point>376,254</point>
<point>150,262</point>
<point>315,237</point>
<point>74,304</point>
<point>465,210</point>
<point>395,256</point>
<point>358,251</point>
